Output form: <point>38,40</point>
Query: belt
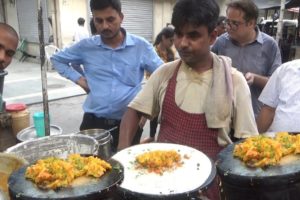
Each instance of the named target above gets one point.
<point>110,122</point>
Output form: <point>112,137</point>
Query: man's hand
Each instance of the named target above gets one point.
<point>83,84</point>
<point>128,128</point>
<point>256,80</point>
<point>249,78</point>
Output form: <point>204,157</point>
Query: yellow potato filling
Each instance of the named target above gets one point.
<point>159,161</point>
<point>53,173</point>
<point>262,151</point>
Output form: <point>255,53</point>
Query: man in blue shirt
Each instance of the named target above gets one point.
<point>114,63</point>
<point>254,53</point>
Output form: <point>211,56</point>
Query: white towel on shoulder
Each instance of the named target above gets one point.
<point>220,98</point>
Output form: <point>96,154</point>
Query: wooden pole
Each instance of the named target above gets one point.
<point>3,11</point>
<point>280,21</point>
<point>43,69</point>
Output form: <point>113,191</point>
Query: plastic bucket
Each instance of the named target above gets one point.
<point>39,124</point>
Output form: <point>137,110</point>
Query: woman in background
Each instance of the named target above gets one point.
<point>163,43</point>
<point>163,46</point>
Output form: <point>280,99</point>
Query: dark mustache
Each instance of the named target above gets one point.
<point>184,51</point>
<point>106,31</point>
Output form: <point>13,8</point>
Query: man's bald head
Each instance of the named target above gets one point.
<point>9,40</point>
<point>9,29</point>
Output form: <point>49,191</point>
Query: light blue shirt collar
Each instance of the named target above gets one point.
<point>128,41</point>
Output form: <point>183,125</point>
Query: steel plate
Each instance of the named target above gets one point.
<point>55,145</point>
<point>30,133</point>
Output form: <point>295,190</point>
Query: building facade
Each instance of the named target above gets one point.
<point>142,17</point>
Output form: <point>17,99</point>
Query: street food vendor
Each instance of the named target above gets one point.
<point>114,62</point>
<point>199,98</point>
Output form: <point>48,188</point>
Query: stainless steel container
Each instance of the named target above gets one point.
<point>104,139</point>
<point>56,145</point>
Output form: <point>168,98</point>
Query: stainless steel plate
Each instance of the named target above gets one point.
<point>56,145</point>
<point>30,133</point>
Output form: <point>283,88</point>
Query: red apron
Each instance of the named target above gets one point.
<point>180,127</point>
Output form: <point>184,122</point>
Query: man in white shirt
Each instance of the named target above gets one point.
<point>281,99</point>
<point>80,32</point>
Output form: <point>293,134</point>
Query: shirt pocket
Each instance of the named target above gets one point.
<point>129,75</point>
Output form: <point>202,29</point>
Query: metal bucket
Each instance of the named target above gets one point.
<point>104,139</point>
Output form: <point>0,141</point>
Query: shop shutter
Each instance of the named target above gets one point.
<point>138,17</point>
<point>28,20</point>
<point>2,13</point>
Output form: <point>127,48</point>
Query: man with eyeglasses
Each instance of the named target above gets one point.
<point>254,53</point>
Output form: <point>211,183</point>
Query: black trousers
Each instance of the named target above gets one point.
<point>153,126</point>
<point>90,121</point>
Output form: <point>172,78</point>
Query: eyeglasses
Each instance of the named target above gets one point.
<point>234,25</point>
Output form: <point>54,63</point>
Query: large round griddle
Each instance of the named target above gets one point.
<point>234,171</point>
<point>196,173</point>
<point>21,188</point>
<point>193,194</point>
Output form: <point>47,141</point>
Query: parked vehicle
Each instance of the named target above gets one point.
<point>289,35</point>
<point>270,27</point>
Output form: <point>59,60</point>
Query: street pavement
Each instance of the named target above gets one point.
<point>23,85</point>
